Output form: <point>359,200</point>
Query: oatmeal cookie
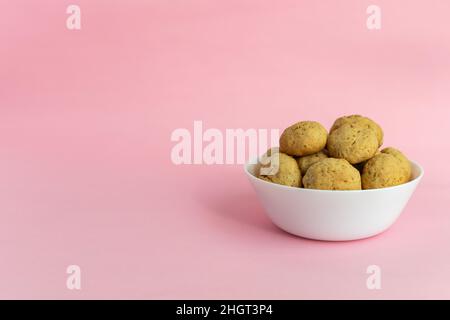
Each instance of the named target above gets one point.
<point>306,161</point>
<point>279,168</point>
<point>406,165</point>
<point>332,174</point>
<point>354,142</point>
<point>360,119</point>
<point>383,170</point>
<point>303,138</point>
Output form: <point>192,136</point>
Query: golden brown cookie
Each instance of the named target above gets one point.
<point>279,168</point>
<point>332,174</point>
<point>354,142</point>
<point>359,119</point>
<point>383,170</point>
<point>406,165</point>
<point>306,161</point>
<point>303,138</point>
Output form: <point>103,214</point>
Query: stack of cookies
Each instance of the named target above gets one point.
<point>346,158</point>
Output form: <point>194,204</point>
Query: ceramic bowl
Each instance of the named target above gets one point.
<point>333,215</point>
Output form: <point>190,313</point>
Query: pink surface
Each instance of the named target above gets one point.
<point>85,124</point>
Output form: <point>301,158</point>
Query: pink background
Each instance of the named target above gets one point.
<point>85,124</point>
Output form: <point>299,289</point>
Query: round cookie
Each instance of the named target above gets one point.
<point>355,118</point>
<point>406,165</point>
<point>354,142</point>
<point>305,162</point>
<point>303,138</point>
<point>332,174</point>
<point>286,172</point>
<point>383,170</point>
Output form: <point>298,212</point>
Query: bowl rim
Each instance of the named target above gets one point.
<point>275,185</point>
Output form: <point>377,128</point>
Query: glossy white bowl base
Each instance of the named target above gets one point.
<point>333,215</point>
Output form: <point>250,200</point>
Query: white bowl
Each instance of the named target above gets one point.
<point>333,215</point>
